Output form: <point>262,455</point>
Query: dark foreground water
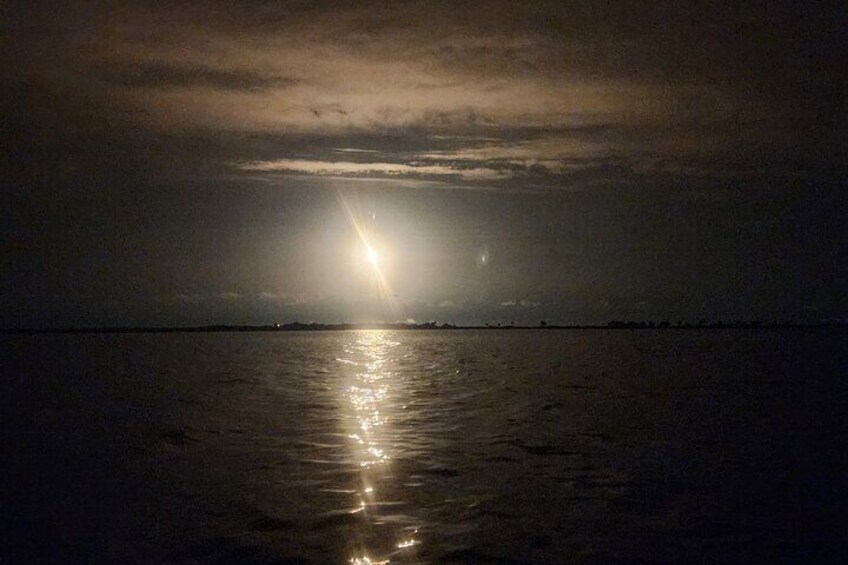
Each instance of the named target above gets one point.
<point>714,446</point>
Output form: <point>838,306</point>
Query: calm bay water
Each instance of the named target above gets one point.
<point>426,447</point>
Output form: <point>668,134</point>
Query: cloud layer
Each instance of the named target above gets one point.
<point>539,92</point>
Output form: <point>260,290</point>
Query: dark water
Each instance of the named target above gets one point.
<point>426,447</point>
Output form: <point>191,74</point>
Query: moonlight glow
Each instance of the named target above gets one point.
<point>372,256</point>
<point>365,230</point>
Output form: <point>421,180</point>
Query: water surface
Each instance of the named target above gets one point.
<point>426,447</point>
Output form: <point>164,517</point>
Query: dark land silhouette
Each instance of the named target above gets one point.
<point>432,325</point>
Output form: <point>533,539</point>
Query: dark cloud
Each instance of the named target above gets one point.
<point>165,76</point>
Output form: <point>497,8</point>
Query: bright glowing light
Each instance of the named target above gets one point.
<point>372,256</point>
<point>366,232</point>
<point>365,560</point>
<point>407,543</point>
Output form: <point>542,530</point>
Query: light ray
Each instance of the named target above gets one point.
<point>366,237</point>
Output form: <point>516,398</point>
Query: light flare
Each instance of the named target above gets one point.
<point>367,239</point>
<point>372,256</point>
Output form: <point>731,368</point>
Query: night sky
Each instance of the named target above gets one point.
<point>188,163</point>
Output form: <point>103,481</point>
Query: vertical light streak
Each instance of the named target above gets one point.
<point>370,406</point>
<point>367,238</point>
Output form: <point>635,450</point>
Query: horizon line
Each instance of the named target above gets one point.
<point>345,326</point>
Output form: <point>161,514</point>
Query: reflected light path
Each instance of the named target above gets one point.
<point>370,397</point>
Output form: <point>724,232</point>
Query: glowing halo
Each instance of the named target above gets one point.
<point>372,256</point>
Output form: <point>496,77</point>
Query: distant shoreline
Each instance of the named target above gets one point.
<point>300,327</point>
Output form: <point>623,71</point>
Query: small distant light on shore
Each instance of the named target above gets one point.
<point>407,543</point>
<point>365,560</point>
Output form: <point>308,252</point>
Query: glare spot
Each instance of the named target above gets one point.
<point>371,255</point>
<point>483,258</point>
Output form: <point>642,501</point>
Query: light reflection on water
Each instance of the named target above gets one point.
<point>497,447</point>
<point>370,396</point>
